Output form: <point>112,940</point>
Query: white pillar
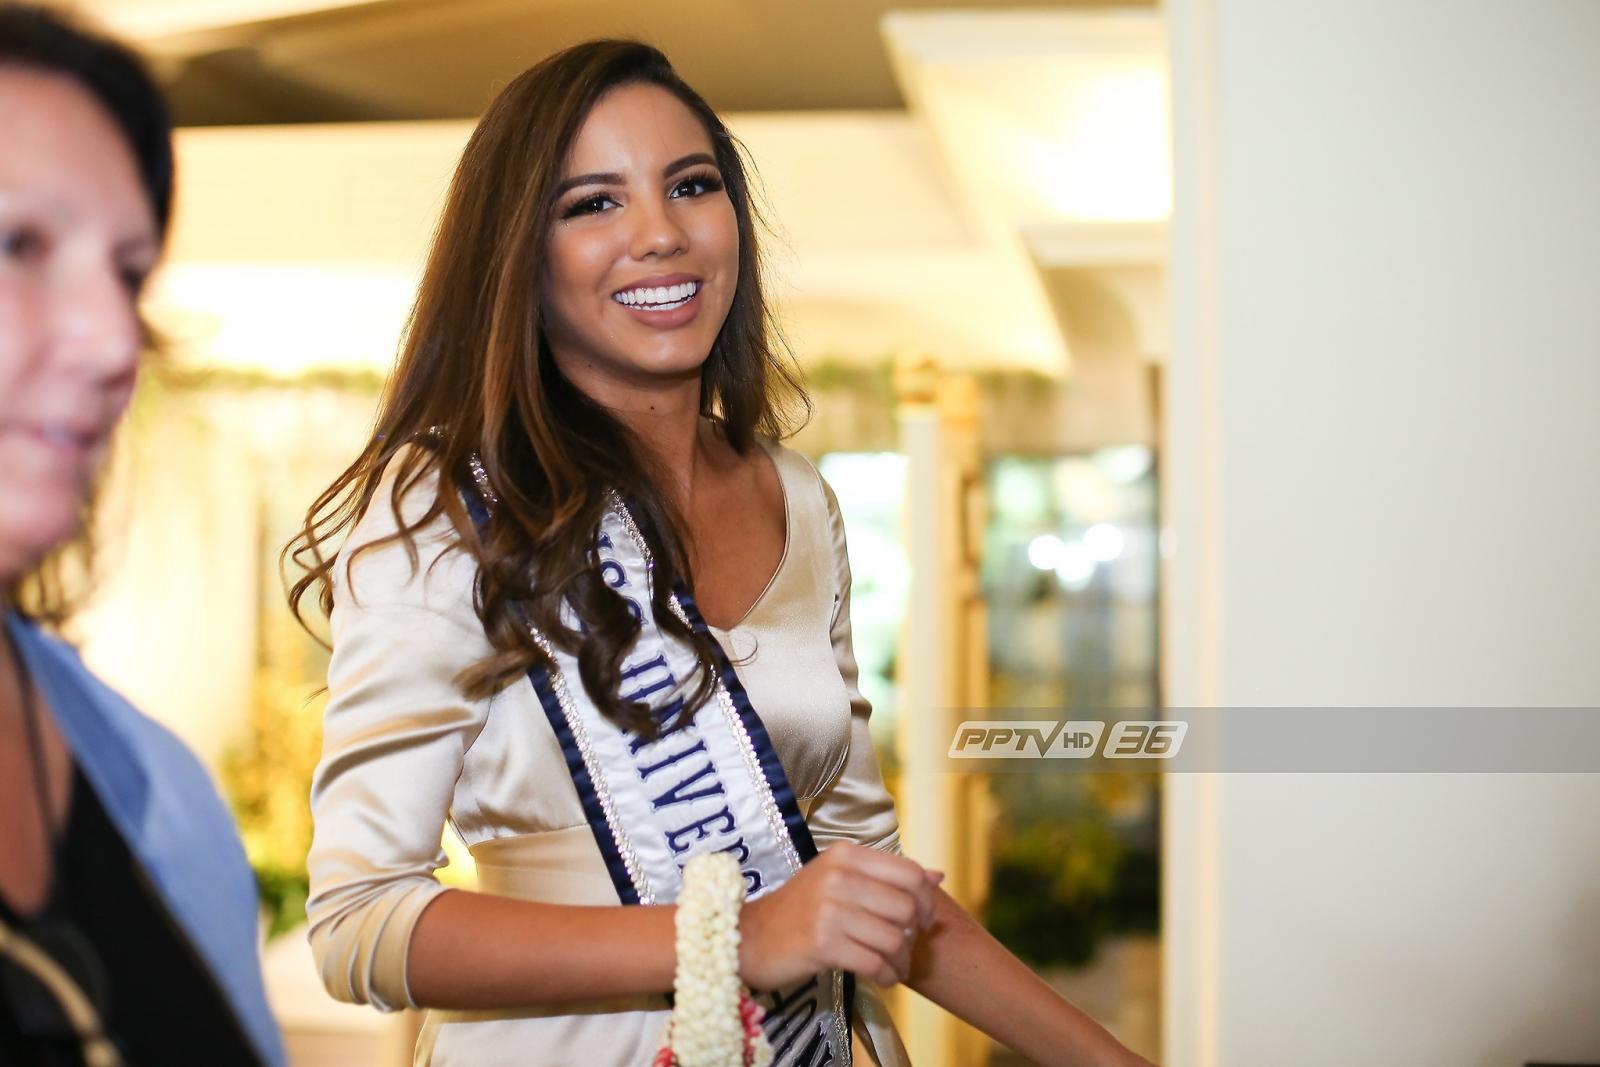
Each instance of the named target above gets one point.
<point>943,669</point>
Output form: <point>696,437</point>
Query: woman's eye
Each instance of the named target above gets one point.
<point>591,206</point>
<point>21,243</point>
<point>698,185</point>
<point>133,279</point>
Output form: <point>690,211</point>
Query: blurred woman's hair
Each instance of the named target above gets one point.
<point>46,40</point>
<point>476,375</point>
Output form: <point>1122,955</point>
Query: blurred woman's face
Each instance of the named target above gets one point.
<point>644,248</point>
<point>77,239</point>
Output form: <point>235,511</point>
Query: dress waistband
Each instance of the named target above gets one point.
<point>554,867</point>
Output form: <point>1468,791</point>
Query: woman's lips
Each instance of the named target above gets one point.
<point>63,444</point>
<point>665,318</point>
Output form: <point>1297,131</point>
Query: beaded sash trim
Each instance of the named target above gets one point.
<point>712,784</point>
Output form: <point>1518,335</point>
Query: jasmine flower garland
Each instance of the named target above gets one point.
<point>715,1022</point>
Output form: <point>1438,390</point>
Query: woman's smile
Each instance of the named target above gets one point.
<point>662,302</point>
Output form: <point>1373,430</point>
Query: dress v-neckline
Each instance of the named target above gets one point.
<point>788,543</point>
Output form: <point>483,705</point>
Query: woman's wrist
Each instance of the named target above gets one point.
<point>749,917</point>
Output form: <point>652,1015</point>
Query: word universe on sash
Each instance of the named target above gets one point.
<point>712,783</point>
<point>689,781</point>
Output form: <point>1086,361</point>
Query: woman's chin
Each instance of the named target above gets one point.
<point>683,359</point>
<point>651,370</point>
<point>32,527</point>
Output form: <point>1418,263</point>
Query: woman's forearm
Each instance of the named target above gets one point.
<point>960,966</point>
<point>475,951</point>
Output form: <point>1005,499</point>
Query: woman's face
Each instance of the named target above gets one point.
<point>77,238</point>
<point>644,249</point>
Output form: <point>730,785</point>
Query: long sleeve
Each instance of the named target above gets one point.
<point>855,806</point>
<point>395,736</point>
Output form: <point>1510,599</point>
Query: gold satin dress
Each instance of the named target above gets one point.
<point>404,752</point>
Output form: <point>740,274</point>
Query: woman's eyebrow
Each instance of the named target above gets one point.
<point>28,198</point>
<point>690,160</point>
<point>613,178</point>
<point>607,178</point>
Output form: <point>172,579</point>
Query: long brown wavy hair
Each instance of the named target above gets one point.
<point>475,375</point>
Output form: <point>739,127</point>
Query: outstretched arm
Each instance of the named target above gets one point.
<point>960,966</point>
<point>957,964</point>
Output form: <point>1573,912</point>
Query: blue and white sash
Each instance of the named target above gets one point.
<point>712,784</point>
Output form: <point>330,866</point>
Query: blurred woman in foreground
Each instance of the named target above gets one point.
<point>127,910</point>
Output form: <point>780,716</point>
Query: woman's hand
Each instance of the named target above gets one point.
<point>854,908</point>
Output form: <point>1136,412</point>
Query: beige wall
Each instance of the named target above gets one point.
<point>1382,468</point>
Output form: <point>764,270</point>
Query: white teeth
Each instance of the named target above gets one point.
<point>660,297</point>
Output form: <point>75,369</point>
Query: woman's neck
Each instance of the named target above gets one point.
<point>677,440</point>
<point>683,446</point>
<point>662,412</point>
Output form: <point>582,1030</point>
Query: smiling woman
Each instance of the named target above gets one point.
<point>590,612</point>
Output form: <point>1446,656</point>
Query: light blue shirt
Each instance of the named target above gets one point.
<point>160,799</point>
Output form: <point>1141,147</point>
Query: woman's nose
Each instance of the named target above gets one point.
<point>656,232</point>
<point>97,324</point>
